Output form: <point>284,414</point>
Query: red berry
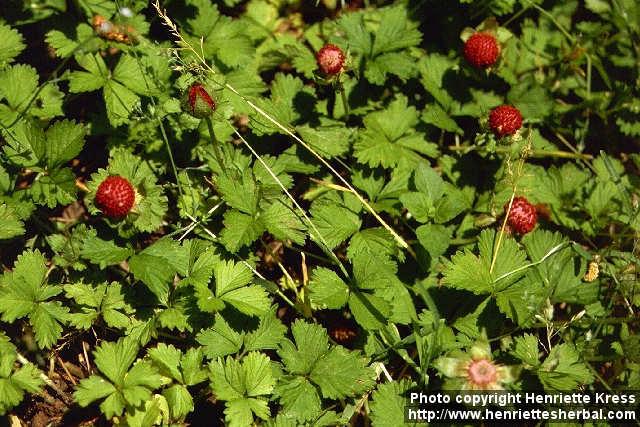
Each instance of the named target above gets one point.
<point>481,50</point>
<point>330,59</point>
<point>115,197</point>
<point>523,216</point>
<point>505,120</point>
<point>198,102</point>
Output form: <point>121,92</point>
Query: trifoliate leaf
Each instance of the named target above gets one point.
<point>121,386</point>
<point>468,271</point>
<point>242,384</point>
<point>26,294</point>
<point>390,138</point>
<point>94,301</point>
<point>15,382</point>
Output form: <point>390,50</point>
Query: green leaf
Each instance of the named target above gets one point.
<point>58,187</point>
<point>104,252</point>
<point>12,226</point>
<point>124,386</point>
<point>374,271</point>
<point>65,140</point>
<point>11,44</point>
<point>120,101</point>
<point>389,137</point>
<point>242,385</point>
<point>468,271</point>
<point>251,300</point>
<point>310,342</point>
<point>284,222</point>
<point>563,369</point>
<point>335,223</point>
<point>327,290</point>
<point>157,265</point>
<point>15,382</point>
<point>268,335</point>
<point>396,31</point>
<point>17,84</point>
<point>94,78</point>
<point>106,300</point>
<point>330,139</point>
<point>26,293</point>
<point>341,373</point>
<point>435,115</point>
<point>220,339</point>
<point>66,47</point>
<point>239,230</point>
<point>179,400</point>
<point>370,311</point>
<point>526,349</point>
<point>240,193</point>
<point>230,276</point>
<point>388,403</point>
<point>373,241</point>
<point>299,398</point>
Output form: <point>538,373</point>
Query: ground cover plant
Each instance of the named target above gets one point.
<point>292,212</point>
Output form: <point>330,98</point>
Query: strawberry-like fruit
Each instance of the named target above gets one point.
<point>481,50</point>
<point>197,101</point>
<point>115,197</point>
<point>505,120</point>
<point>330,59</point>
<point>523,216</point>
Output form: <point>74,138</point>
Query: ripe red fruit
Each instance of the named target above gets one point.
<point>198,102</point>
<point>505,120</point>
<point>481,50</point>
<point>330,59</point>
<point>115,197</point>
<point>523,216</point>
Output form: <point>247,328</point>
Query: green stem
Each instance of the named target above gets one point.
<point>216,149</point>
<point>171,160</point>
<point>345,102</point>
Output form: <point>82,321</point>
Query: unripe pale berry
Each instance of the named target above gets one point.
<point>197,101</point>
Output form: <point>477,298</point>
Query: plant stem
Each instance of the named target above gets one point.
<point>171,160</point>
<point>345,102</point>
<point>216,149</point>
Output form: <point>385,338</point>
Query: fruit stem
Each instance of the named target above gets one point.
<point>171,160</point>
<point>345,103</point>
<point>216,149</point>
